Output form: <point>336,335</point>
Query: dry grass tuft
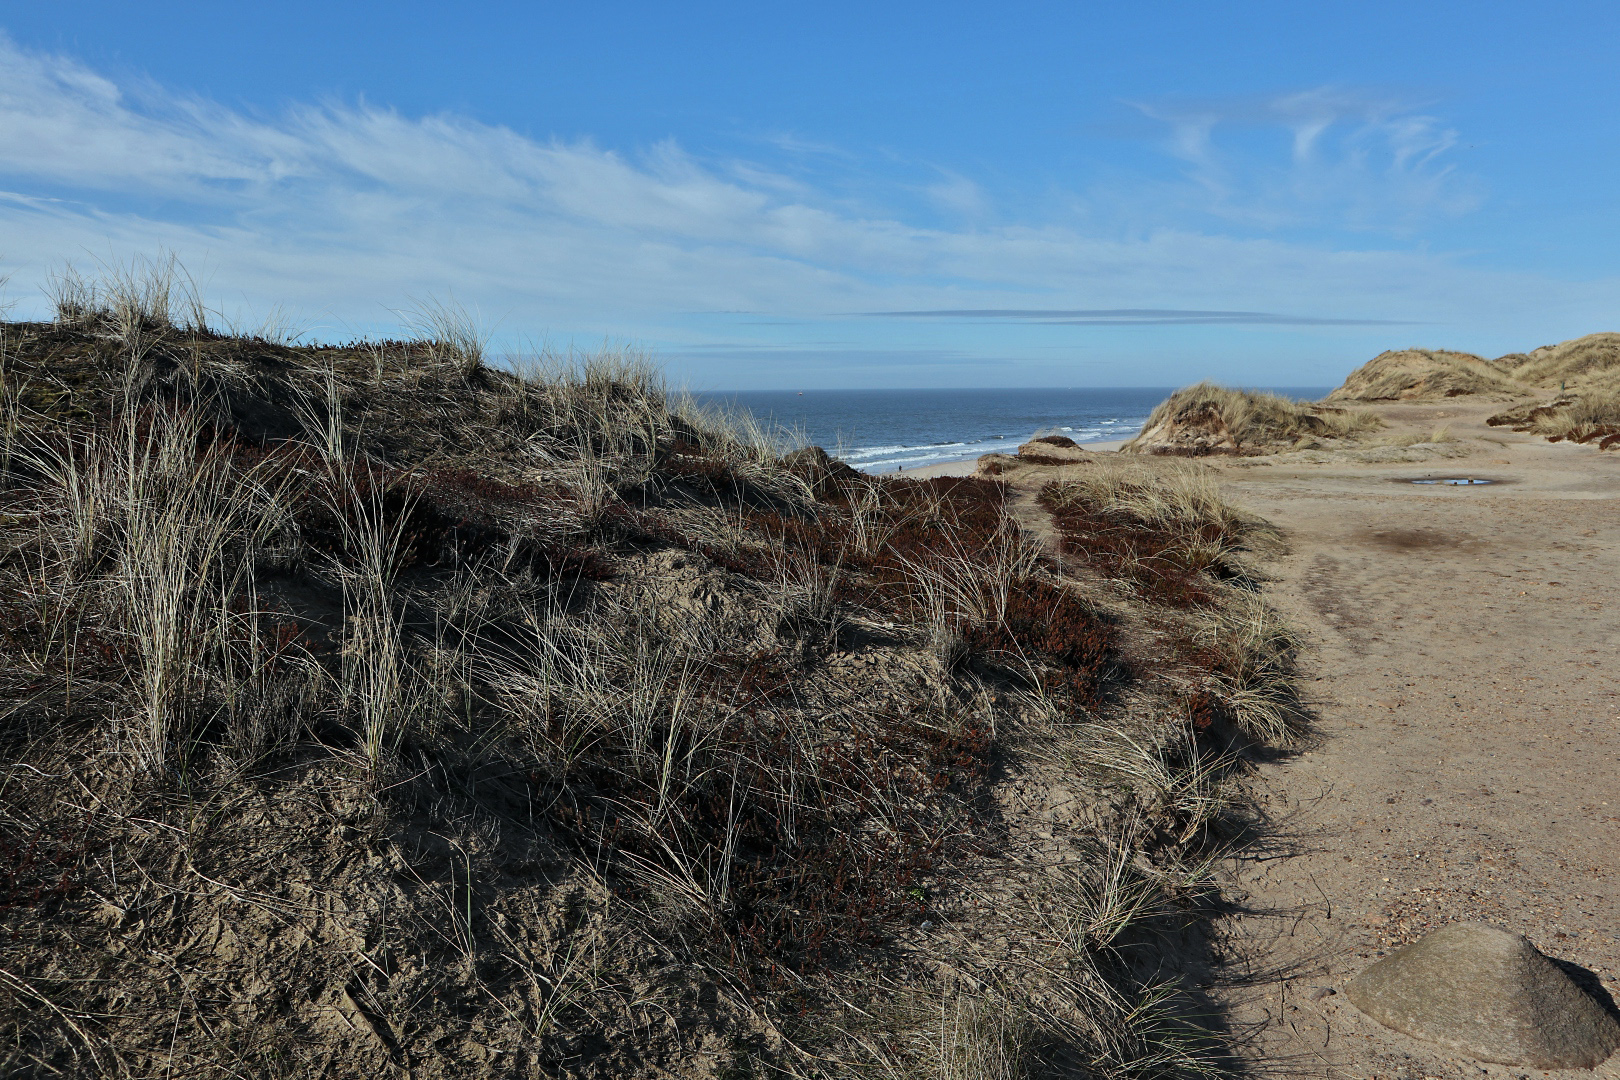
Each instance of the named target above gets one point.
<point>452,333</point>
<point>1180,785</point>
<point>140,296</point>
<point>1250,654</point>
<point>1591,415</point>
<point>152,523</point>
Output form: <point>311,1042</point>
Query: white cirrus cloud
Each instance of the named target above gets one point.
<point>1355,158</point>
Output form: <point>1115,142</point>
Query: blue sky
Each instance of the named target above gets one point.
<point>844,195</point>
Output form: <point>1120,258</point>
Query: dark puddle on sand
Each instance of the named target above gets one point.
<point>1452,481</point>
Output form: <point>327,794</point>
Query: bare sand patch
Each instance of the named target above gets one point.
<point>1467,689</point>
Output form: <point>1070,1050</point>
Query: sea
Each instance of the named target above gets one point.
<point>880,431</point>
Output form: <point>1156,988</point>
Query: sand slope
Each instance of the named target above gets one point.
<point>1435,374</point>
<point>1465,643</point>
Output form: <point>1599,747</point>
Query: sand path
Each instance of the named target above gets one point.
<point>1465,653</point>
<point>1464,663</point>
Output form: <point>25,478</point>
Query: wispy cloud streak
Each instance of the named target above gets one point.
<point>1361,159</point>
<point>1132,317</point>
<point>341,209</point>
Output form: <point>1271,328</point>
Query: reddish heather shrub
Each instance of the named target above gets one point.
<point>808,882</point>
<point>39,868</point>
<point>1151,557</point>
<point>1202,710</point>
<point>691,468</point>
<point>823,539</point>
<point>1046,622</point>
<point>827,477</point>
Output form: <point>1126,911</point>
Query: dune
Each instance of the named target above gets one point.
<point>1595,356</point>
<point>1207,419</point>
<point>377,708</point>
<point>1427,374</point>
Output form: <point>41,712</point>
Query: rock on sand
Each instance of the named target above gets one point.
<point>1487,993</point>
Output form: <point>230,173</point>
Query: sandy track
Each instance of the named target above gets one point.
<point>1466,657</point>
<point>1464,654</point>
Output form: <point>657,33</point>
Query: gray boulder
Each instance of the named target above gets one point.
<point>1487,993</point>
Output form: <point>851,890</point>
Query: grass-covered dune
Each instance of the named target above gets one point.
<point>1567,391</point>
<point>377,710</point>
<point>1428,375</point>
<point>1592,357</point>
<point>1205,419</point>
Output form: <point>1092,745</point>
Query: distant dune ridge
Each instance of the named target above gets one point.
<point>1426,374</point>
<point>1568,391</point>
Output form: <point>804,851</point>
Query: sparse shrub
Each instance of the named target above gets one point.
<point>1169,533</point>
<point>728,809</point>
<point>1045,624</point>
<point>1592,417</point>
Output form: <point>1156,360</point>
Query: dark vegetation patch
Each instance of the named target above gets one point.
<point>1604,435</point>
<point>1170,563</point>
<point>1044,459</point>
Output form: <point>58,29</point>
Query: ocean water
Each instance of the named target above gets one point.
<point>885,430</point>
